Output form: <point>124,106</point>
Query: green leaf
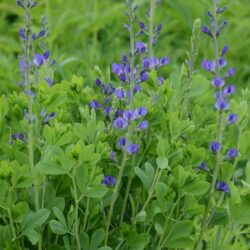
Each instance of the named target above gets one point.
<point>57,227</point>
<point>81,176</point>
<point>145,179</point>
<point>138,241</point>
<point>179,235</point>
<point>248,172</point>
<point>199,85</point>
<point>96,239</point>
<point>240,212</point>
<point>36,219</point>
<point>59,215</point>
<point>32,235</point>
<point>244,143</point>
<point>162,163</point>
<point>197,187</point>
<point>64,139</point>
<point>96,192</point>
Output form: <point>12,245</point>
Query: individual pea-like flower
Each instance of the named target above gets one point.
<point>218,82</point>
<point>117,69</point>
<point>229,90</point>
<point>120,93</point>
<point>223,187</point>
<point>232,153</point>
<point>120,123</point>
<point>148,63</point>
<point>112,156</point>
<point>232,118</point>
<point>231,72</point>
<point>21,34</point>
<point>129,115</point>
<point>22,66</point>
<point>164,61</point>
<point>208,65</point>
<point>108,89</point>
<point>142,125</point>
<point>224,50</point>
<point>159,27</point>
<point>215,146</point>
<point>107,110</point>
<point>207,31</point>
<point>98,82</point>
<point>49,81</point>
<point>203,166</point>
<point>218,95</point>
<point>108,181</point>
<point>222,62</point>
<point>137,88</point>
<point>40,59</point>
<point>94,104</point>
<point>122,142</point>
<point>133,149</point>
<point>160,80</point>
<point>140,47</point>
<point>143,76</point>
<point>221,105</point>
<point>19,136</point>
<point>142,25</point>
<point>140,112</point>
<point>49,117</point>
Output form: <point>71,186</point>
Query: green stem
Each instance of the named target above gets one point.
<point>151,28</point>
<point>76,225</point>
<point>11,224</point>
<point>130,179</point>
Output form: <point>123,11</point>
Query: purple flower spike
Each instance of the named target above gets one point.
<point>120,93</point>
<point>133,149</point>
<point>207,31</point>
<point>21,34</point>
<point>208,65</point>
<point>223,187</point>
<point>232,153</point>
<point>148,63</point>
<point>39,60</point>
<point>203,166</point>
<point>142,125</point>
<point>122,142</point>
<point>231,72</point>
<point>221,105</point>
<point>222,62</point>
<point>108,181</point>
<point>229,90</point>
<point>164,61</point>
<point>218,82</point>
<point>232,118</point>
<point>140,112</point>
<point>120,123</point>
<point>140,47</point>
<point>94,104</point>
<point>215,146</point>
<point>129,115</point>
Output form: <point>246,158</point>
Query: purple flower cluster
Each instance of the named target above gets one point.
<point>221,74</point>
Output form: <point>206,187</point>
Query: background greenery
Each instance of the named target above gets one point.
<point>86,33</point>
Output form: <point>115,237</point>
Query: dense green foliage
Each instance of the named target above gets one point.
<point>51,196</point>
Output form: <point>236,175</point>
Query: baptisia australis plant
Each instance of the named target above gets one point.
<point>220,76</point>
<point>133,72</point>
<point>30,64</point>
